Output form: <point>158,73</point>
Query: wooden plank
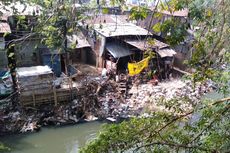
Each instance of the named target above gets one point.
<point>46,96</point>
<point>34,100</point>
<point>181,71</point>
<point>55,96</point>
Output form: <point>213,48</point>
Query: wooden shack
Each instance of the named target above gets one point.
<point>36,87</point>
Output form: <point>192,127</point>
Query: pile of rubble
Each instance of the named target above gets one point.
<point>186,94</point>
<point>15,121</point>
<point>102,98</point>
<point>31,119</point>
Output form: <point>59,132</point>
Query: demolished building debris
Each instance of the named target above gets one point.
<point>106,98</point>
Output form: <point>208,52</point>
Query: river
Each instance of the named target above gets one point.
<point>67,139</point>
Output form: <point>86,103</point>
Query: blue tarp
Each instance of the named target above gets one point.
<point>4,74</point>
<point>54,62</point>
<point>5,84</point>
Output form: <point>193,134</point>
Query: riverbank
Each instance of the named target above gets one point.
<point>103,99</point>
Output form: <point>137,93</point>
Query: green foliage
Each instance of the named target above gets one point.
<point>6,34</point>
<point>157,27</point>
<point>105,10</point>
<point>11,55</point>
<point>3,148</point>
<point>56,19</point>
<point>174,30</point>
<point>117,2</point>
<point>158,15</point>
<point>165,132</point>
<point>210,48</point>
<point>138,13</point>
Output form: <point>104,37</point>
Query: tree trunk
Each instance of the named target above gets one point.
<point>12,65</point>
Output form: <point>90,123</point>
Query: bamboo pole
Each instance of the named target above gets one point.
<point>55,96</point>
<point>34,100</point>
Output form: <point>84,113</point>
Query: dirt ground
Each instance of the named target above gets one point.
<point>86,69</point>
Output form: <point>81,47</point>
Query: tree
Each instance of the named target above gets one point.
<point>52,21</point>
<point>206,127</point>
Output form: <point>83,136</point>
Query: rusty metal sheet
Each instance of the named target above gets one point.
<point>143,44</point>
<point>79,39</point>
<point>179,13</point>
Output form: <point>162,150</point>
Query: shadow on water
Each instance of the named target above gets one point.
<point>66,139</point>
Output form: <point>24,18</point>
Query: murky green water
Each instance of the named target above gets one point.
<point>66,139</point>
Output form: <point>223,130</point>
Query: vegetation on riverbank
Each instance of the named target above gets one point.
<point>4,148</point>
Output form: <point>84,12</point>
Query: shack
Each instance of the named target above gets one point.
<point>164,56</point>
<point>184,48</point>
<point>80,49</point>
<point>38,85</point>
<point>5,78</point>
<point>117,42</point>
<point>4,28</point>
<point>110,48</point>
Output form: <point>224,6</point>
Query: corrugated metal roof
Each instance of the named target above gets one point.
<point>143,44</point>
<point>4,27</point>
<point>108,18</point>
<point>20,8</point>
<point>126,29</point>
<point>167,52</point>
<point>79,39</point>
<point>179,13</point>
<point>3,17</point>
<point>117,50</point>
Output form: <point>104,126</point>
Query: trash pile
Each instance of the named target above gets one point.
<point>101,96</point>
<point>105,98</point>
<point>186,94</point>
<point>31,119</point>
<point>15,121</point>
